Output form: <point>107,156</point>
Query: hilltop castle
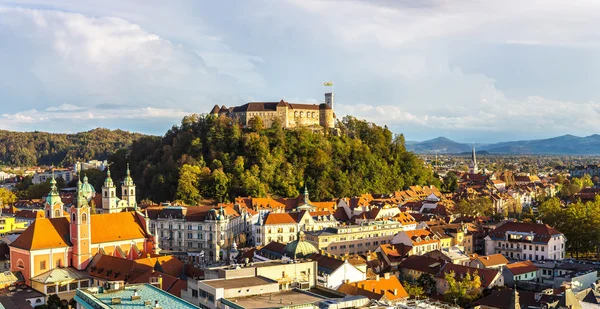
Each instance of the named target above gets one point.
<point>290,115</point>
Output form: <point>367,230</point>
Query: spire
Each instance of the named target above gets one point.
<point>473,157</point>
<point>108,183</point>
<point>306,199</point>
<point>128,181</point>
<point>53,189</point>
<point>81,200</point>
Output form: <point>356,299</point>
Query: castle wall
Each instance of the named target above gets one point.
<point>303,117</point>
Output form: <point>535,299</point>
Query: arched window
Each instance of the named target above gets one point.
<point>313,114</point>
<point>57,213</point>
<point>74,218</point>
<point>296,114</point>
<point>301,114</point>
<point>105,194</point>
<point>112,194</point>
<point>84,218</point>
<point>131,192</point>
<point>20,264</point>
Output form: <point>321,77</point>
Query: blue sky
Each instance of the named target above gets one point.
<point>473,71</point>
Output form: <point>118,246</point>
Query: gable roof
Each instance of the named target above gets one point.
<point>492,260</point>
<point>542,232</point>
<point>116,227</point>
<point>522,267</point>
<point>44,233</point>
<point>423,264</point>
<point>376,289</point>
<point>279,218</point>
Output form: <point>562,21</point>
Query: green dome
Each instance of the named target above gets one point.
<point>299,248</point>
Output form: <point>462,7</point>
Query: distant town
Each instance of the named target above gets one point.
<point>496,232</point>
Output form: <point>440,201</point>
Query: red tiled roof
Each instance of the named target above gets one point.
<point>279,218</point>
<point>390,288</point>
<point>543,232</point>
<point>521,267</point>
<point>423,264</point>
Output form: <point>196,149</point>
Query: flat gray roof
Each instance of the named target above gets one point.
<point>238,282</point>
<point>288,298</point>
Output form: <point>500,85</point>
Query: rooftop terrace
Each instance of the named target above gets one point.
<point>130,297</point>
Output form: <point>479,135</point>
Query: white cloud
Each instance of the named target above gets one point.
<point>71,120</point>
<point>83,61</point>
<point>63,107</point>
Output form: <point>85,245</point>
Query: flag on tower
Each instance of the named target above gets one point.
<point>328,84</point>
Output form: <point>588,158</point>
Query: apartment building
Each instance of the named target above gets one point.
<point>526,241</point>
<point>202,233</point>
<point>354,239</point>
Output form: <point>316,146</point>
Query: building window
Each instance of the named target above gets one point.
<point>20,264</point>
<point>42,265</point>
<point>84,218</point>
<point>58,263</point>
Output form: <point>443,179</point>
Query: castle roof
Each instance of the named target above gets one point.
<point>272,106</point>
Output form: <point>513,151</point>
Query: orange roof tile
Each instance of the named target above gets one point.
<point>44,233</point>
<point>492,260</point>
<point>522,267</point>
<point>279,218</point>
<point>115,227</point>
<point>376,289</point>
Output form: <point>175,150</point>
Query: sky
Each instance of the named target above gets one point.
<point>472,71</point>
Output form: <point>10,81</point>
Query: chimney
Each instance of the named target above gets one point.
<point>376,277</point>
<point>386,275</point>
<point>395,292</point>
<point>159,284</point>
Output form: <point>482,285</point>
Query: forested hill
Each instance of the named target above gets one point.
<point>209,157</point>
<point>40,148</point>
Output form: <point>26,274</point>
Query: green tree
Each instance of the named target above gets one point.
<point>462,291</point>
<point>414,290</point>
<point>187,188</point>
<point>7,197</point>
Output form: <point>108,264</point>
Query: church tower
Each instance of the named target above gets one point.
<point>109,195</point>
<point>80,228</point>
<point>54,204</point>
<point>473,165</point>
<point>128,190</point>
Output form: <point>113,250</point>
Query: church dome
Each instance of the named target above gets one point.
<point>299,248</point>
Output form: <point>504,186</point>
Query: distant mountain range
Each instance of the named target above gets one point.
<point>561,145</point>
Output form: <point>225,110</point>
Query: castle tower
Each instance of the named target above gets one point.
<point>54,204</point>
<point>473,165</point>
<point>80,228</point>
<point>329,99</point>
<point>109,195</point>
<point>326,114</point>
<point>128,190</point>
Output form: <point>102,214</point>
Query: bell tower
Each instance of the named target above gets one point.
<point>128,190</point>
<point>54,204</point>
<point>80,228</point>
<point>109,194</point>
